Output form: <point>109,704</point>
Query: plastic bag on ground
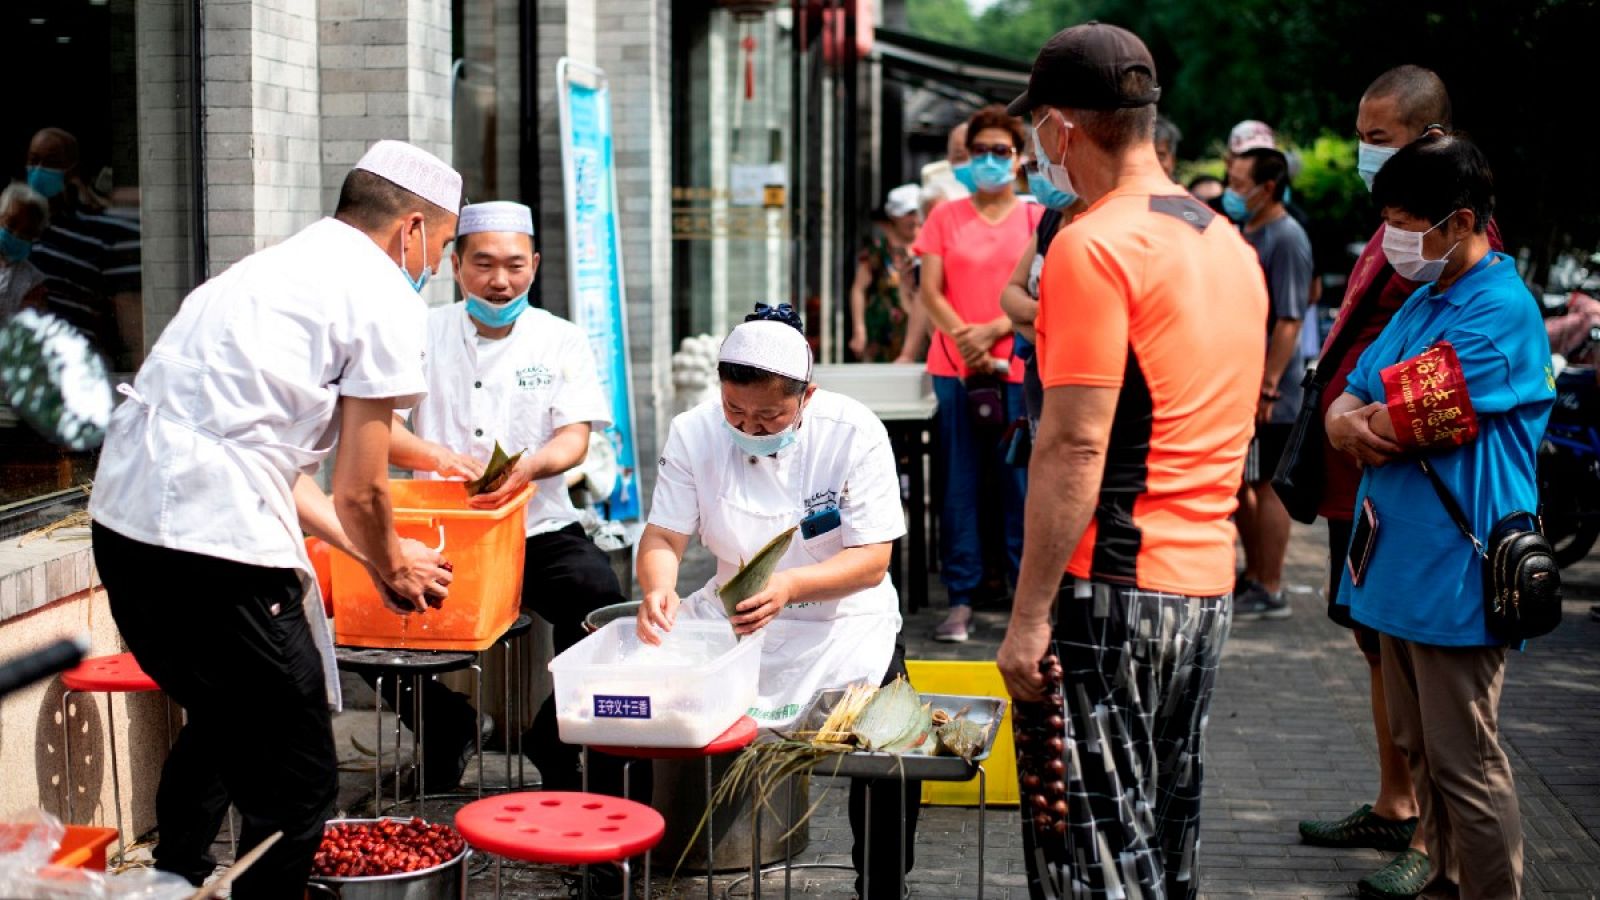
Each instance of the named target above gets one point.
<point>28,839</point>
<point>27,842</point>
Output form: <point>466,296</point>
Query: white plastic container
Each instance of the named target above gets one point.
<point>891,391</point>
<point>614,690</point>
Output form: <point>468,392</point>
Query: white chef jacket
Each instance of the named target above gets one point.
<point>736,503</point>
<point>517,390</point>
<point>240,395</point>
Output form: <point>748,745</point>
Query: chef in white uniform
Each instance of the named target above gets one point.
<point>775,452</point>
<point>202,496</point>
<point>500,370</point>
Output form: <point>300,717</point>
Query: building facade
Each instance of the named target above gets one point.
<point>201,131</point>
<point>208,129</point>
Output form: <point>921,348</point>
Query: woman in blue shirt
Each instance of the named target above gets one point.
<point>1474,332</point>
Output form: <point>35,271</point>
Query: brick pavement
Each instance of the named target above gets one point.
<point>1290,736</point>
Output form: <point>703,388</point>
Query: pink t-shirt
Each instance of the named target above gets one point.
<point>978,259</point>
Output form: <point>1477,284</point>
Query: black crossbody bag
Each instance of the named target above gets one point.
<point>1300,478</point>
<point>1521,581</point>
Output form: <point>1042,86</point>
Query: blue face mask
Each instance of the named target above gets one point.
<point>992,173</point>
<point>963,174</point>
<point>764,444</point>
<point>14,248</point>
<point>496,315</point>
<point>48,182</point>
<point>1369,159</point>
<point>1047,193</point>
<point>1234,206</point>
<point>421,280</point>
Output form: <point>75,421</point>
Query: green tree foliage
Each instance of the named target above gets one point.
<point>1521,74</point>
<point>942,20</point>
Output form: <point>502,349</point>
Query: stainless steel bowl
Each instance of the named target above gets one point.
<point>605,615</point>
<point>446,881</point>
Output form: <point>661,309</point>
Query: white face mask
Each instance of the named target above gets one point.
<point>1054,172</point>
<point>1369,159</point>
<point>1403,249</point>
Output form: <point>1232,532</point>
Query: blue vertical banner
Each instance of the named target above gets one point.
<point>594,253</point>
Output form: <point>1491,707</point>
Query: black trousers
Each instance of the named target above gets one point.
<point>887,836</point>
<point>564,578</point>
<point>231,644</point>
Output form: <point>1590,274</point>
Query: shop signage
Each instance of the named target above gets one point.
<point>594,249</point>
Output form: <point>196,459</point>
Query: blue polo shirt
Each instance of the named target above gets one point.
<point>1424,582</point>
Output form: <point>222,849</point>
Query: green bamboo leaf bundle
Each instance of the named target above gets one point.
<point>752,577</point>
<point>495,474</point>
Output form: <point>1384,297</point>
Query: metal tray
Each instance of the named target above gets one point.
<point>861,764</point>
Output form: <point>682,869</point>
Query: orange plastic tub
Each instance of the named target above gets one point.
<point>486,549</point>
<point>84,847</point>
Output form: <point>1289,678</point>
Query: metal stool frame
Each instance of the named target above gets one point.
<point>66,754</point>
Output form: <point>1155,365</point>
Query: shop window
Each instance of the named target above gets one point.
<point>486,98</point>
<point>96,149</point>
<point>732,198</point>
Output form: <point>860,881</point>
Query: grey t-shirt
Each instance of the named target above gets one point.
<point>1285,254</point>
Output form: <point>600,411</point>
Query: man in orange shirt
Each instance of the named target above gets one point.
<point>1151,354</point>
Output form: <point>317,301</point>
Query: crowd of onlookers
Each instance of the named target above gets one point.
<point>1413,434</point>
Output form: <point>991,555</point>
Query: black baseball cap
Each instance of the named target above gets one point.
<point>1082,68</point>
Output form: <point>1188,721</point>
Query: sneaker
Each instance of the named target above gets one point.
<point>1402,878</point>
<point>1594,613</point>
<point>956,627</point>
<point>1259,603</point>
<point>1362,828</point>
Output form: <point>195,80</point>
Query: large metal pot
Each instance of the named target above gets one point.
<point>680,797</point>
<point>605,615</point>
<point>447,881</point>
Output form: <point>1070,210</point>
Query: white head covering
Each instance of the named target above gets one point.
<point>495,215</point>
<point>903,201</point>
<point>416,170</point>
<point>769,346</point>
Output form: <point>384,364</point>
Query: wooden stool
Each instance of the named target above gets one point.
<point>563,828</point>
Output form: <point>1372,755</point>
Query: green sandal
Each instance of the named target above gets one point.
<point>1402,879</point>
<point>1362,828</point>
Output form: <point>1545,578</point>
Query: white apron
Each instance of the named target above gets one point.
<point>809,647</point>
<point>255,461</point>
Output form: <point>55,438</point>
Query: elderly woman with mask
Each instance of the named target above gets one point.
<point>1460,460</point>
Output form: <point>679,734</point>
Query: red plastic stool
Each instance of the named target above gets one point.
<point>739,735</point>
<point>109,675</point>
<point>563,828</point>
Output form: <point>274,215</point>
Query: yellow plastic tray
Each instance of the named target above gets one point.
<point>980,679</point>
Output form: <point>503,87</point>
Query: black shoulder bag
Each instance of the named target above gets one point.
<point>1300,477</point>
<point>1521,581</point>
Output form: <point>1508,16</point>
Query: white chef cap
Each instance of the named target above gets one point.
<point>770,346</point>
<point>495,215</point>
<point>416,170</point>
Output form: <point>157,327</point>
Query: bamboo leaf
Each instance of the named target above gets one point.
<point>752,577</point>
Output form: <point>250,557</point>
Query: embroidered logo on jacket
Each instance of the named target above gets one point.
<point>534,377</point>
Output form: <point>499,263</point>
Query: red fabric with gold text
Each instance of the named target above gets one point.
<point>1427,400</point>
